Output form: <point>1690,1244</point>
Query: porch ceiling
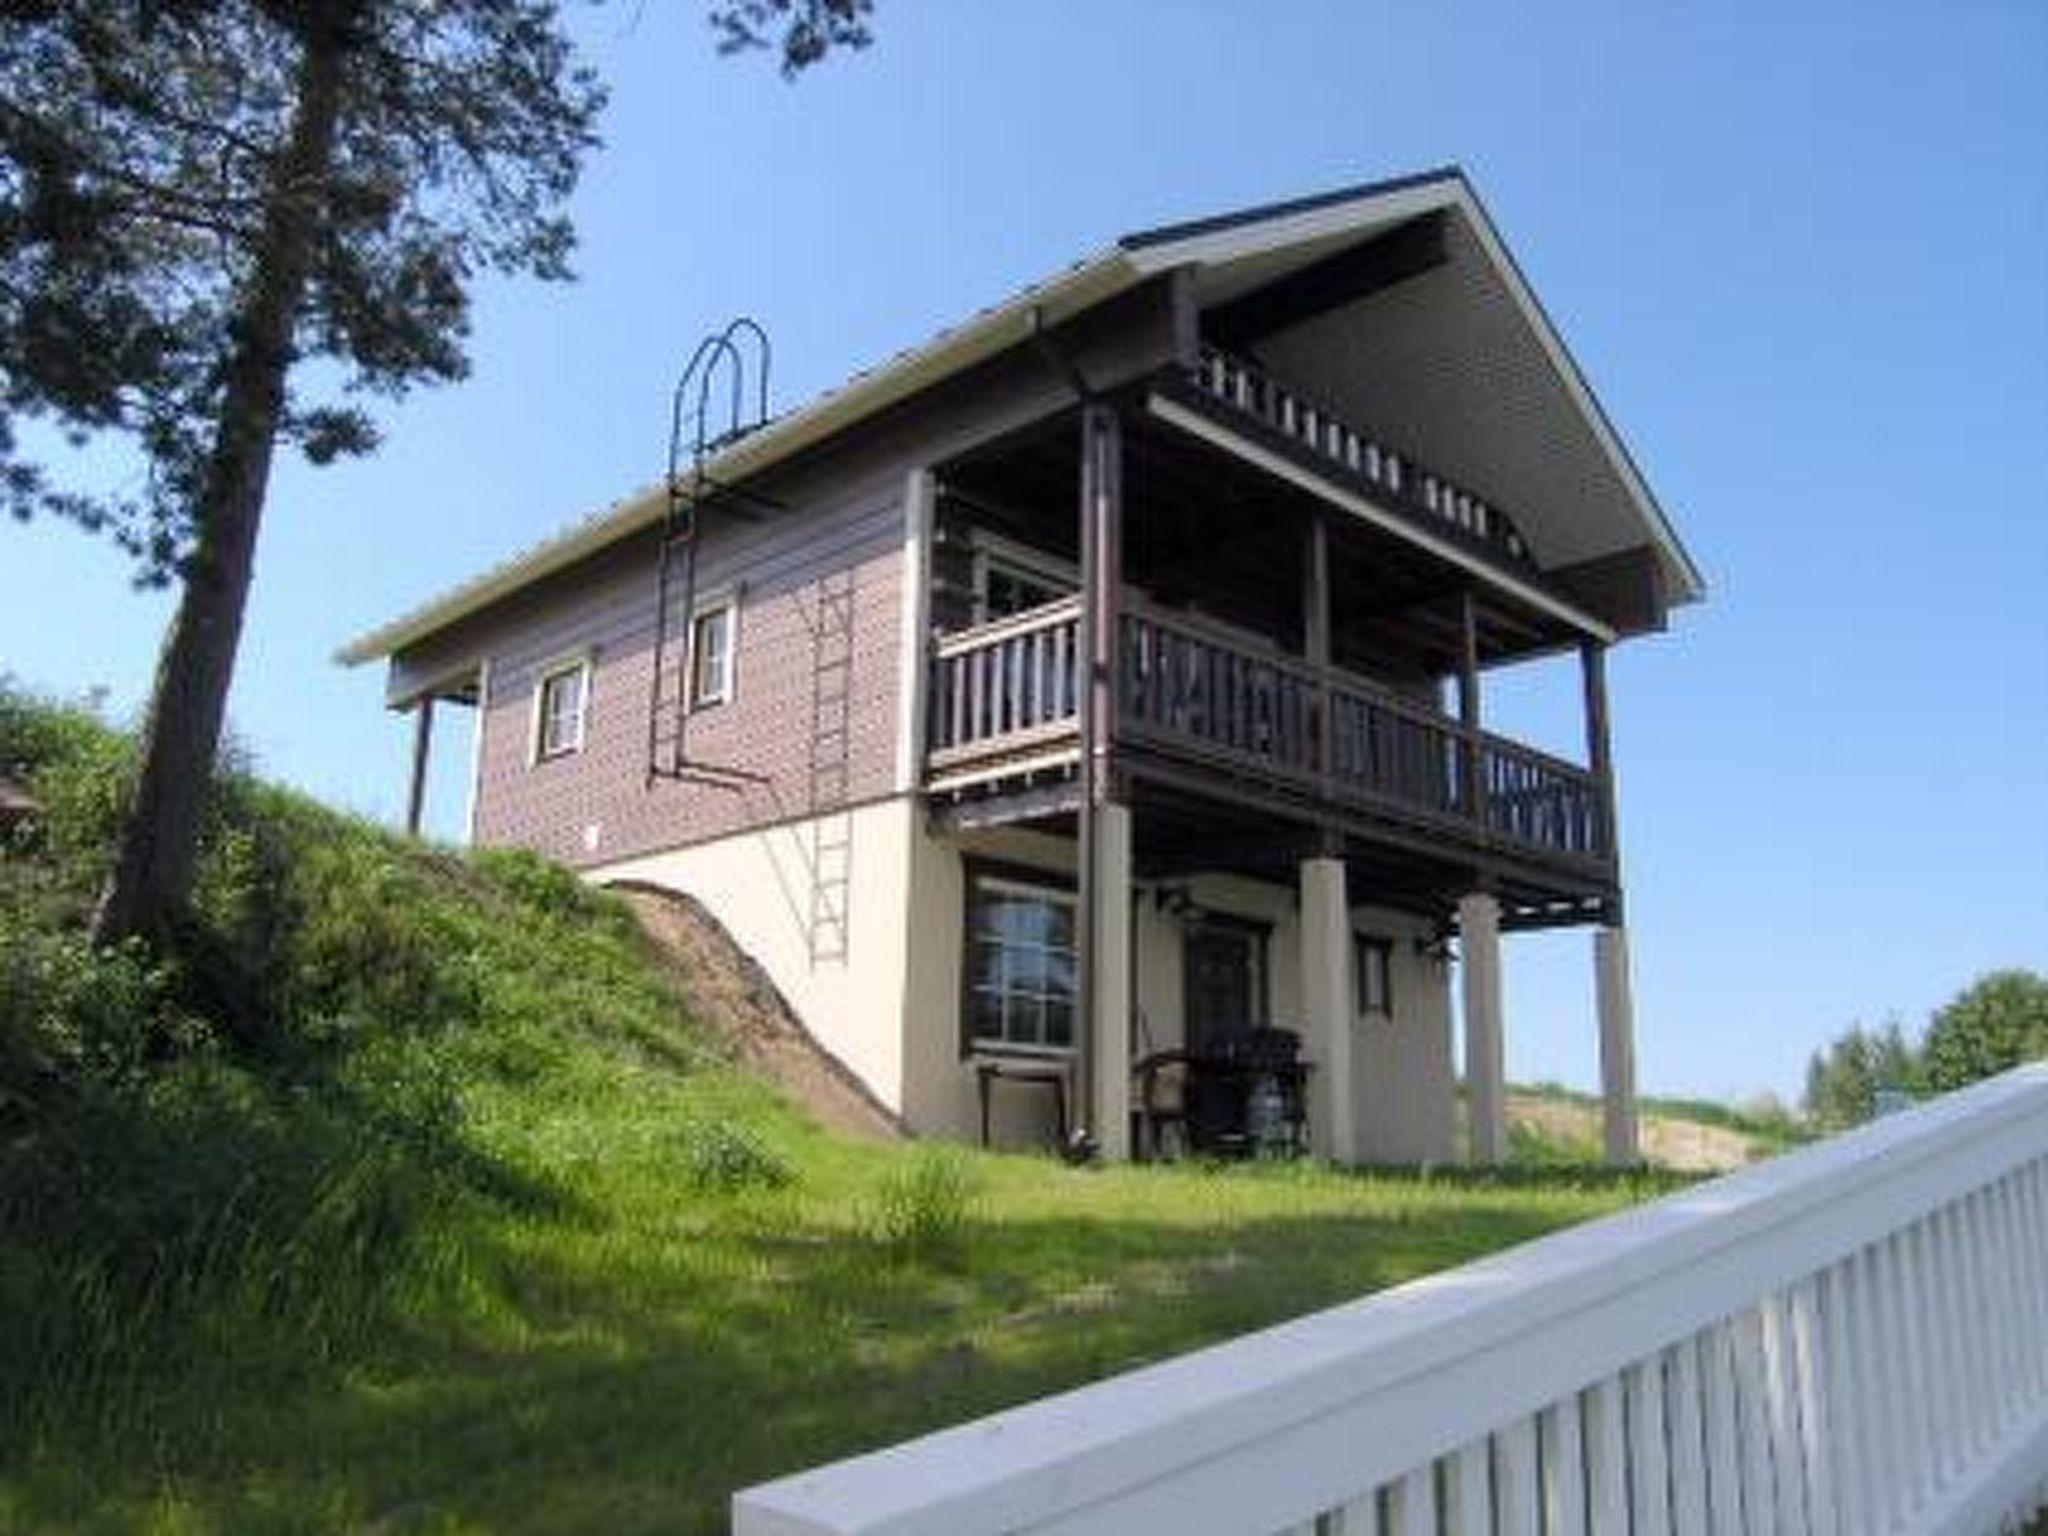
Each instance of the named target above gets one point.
<point>1205,528</point>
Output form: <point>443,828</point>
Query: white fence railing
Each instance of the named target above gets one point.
<point>1850,1339</point>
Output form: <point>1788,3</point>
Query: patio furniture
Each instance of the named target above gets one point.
<point>1041,1072</point>
<point>1246,1098</point>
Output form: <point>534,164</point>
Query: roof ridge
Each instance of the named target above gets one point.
<point>1164,234</point>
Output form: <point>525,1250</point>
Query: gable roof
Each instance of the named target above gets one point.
<point>1230,254</point>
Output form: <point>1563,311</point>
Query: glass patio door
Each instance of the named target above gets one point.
<point>1225,983</point>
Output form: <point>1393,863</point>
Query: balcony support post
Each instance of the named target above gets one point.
<point>913,702</point>
<point>1472,781</point>
<point>1485,1050</point>
<point>422,747</point>
<point>1315,634</point>
<point>1327,996</point>
<point>1102,981</point>
<point>1600,748</point>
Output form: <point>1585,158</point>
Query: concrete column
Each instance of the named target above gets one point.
<point>1615,1001</point>
<point>1111,1046</point>
<point>1327,1008</point>
<point>1485,1052</point>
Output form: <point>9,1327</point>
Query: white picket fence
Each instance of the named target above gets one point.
<point>1849,1340</point>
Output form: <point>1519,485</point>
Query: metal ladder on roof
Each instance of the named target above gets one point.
<point>704,419</point>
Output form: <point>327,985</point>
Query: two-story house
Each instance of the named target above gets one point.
<point>1102,682</point>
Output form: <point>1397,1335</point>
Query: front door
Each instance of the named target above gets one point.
<point>1225,983</point>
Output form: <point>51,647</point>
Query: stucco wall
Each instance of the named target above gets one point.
<point>757,884</point>
<point>1402,1082</point>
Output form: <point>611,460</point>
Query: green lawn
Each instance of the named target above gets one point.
<point>623,1352</point>
<point>399,1196</point>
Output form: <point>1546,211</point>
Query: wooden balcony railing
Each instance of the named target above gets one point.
<point>1003,690</point>
<point>1006,695</point>
<point>1392,476</point>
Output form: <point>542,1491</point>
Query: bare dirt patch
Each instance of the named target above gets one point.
<point>729,994</point>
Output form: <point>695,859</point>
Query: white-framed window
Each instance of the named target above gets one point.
<point>714,637</point>
<point>561,707</point>
<point>1013,578</point>
<point>1022,971</point>
<point>1372,975</point>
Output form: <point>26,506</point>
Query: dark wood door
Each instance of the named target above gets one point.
<point>1225,984</point>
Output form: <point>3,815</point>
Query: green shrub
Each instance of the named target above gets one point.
<point>924,1208</point>
<point>81,771</point>
<point>723,1157</point>
<point>70,1012</point>
<point>1529,1147</point>
<point>540,885</point>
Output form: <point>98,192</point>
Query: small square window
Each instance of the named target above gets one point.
<point>711,655</point>
<point>1373,974</point>
<point>560,710</point>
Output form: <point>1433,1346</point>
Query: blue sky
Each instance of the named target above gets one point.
<point>1802,252</point>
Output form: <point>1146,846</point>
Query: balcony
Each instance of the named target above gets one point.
<point>1215,707</point>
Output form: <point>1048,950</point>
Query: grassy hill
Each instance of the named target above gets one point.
<point>1550,1126</point>
<point>402,1196</point>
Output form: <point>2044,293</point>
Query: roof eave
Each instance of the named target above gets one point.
<point>1082,287</point>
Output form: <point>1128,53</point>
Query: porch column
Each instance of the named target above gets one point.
<point>1615,1000</point>
<point>1485,1053</point>
<point>1103,833</point>
<point>1109,1043</point>
<point>1327,1003</point>
<point>422,739</point>
<point>1613,996</point>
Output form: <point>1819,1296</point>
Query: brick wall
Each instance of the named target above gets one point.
<point>595,806</point>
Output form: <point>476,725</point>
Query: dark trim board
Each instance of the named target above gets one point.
<point>1166,234</point>
<point>965,811</point>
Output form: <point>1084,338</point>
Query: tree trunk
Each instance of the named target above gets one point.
<point>181,737</point>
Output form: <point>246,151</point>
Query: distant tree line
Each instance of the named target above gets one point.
<point>1997,1022</point>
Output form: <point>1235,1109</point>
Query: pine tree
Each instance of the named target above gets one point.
<point>199,197</point>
